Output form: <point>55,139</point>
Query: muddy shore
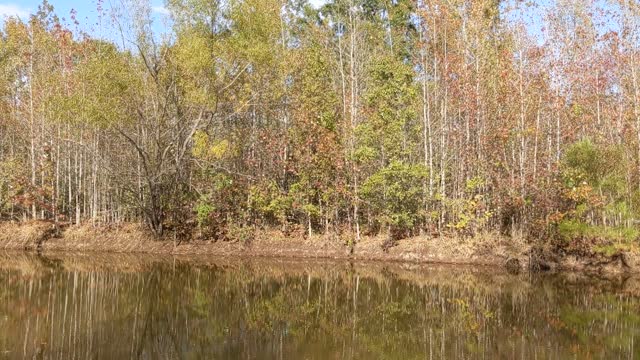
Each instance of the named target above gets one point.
<point>486,250</point>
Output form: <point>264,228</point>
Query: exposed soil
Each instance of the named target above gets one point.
<point>488,249</point>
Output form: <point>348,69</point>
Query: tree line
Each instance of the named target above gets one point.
<point>357,118</point>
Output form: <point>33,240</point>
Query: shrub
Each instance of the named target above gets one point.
<point>395,194</point>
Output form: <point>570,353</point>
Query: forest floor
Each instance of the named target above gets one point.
<point>486,249</point>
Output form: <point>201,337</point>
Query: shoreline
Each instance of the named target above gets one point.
<point>489,250</point>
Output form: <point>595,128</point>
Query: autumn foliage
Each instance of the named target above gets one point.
<point>360,117</point>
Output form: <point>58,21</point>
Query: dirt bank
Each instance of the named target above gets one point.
<point>488,249</point>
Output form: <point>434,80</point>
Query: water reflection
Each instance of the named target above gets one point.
<point>110,307</point>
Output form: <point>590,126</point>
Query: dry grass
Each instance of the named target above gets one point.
<point>486,248</point>
<point>489,249</point>
<point>127,238</point>
<point>23,235</point>
<point>483,249</point>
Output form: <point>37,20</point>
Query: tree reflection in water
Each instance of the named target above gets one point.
<point>132,307</point>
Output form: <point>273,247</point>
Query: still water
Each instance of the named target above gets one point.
<point>133,307</point>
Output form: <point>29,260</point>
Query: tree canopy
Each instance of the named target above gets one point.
<point>358,117</point>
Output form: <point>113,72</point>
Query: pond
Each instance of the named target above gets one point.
<point>97,306</point>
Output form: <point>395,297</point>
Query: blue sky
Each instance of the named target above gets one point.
<point>87,9</point>
<point>87,14</point>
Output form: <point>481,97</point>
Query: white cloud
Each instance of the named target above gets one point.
<point>161,10</point>
<point>8,10</point>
